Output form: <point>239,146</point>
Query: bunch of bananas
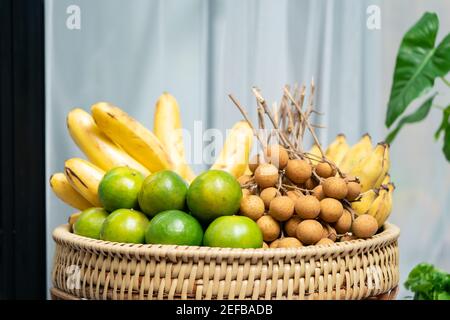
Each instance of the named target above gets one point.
<point>110,138</point>
<point>370,165</point>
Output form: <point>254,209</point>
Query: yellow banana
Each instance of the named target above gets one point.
<point>131,136</point>
<point>337,149</point>
<point>315,151</point>
<point>389,200</point>
<point>64,191</point>
<point>356,153</point>
<point>85,178</point>
<point>386,179</point>
<point>369,169</point>
<point>382,205</point>
<point>234,156</point>
<point>386,164</point>
<point>167,128</point>
<point>362,205</point>
<point>97,147</point>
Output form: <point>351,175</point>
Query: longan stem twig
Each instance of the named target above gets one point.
<point>310,100</point>
<point>350,209</point>
<point>260,111</point>
<point>295,187</point>
<point>244,114</point>
<point>269,114</point>
<point>316,140</point>
<point>280,180</point>
<point>300,102</point>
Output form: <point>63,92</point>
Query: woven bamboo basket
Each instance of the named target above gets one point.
<point>92,269</point>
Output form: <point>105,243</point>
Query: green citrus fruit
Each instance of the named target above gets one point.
<point>174,227</point>
<point>233,232</point>
<point>161,191</point>
<point>212,194</point>
<point>90,222</point>
<point>119,189</point>
<point>125,225</point>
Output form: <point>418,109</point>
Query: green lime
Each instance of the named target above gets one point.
<point>119,189</point>
<point>161,191</point>
<point>233,232</point>
<point>174,227</point>
<point>90,222</point>
<point>125,225</point>
<point>212,194</point>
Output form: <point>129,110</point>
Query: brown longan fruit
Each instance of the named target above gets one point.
<point>270,228</point>
<point>354,190</point>
<point>244,179</point>
<point>330,210</point>
<point>298,171</point>
<point>364,226</point>
<point>277,155</point>
<point>294,195</point>
<point>335,187</point>
<point>274,244</point>
<point>290,226</point>
<point>311,183</point>
<point>324,170</point>
<point>266,175</point>
<point>309,231</point>
<point>324,241</point>
<point>281,208</point>
<point>344,223</point>
<point>289,242</point>
<point>318,192</point>
<point>307,207</point>
<point>252,206</point>
<point>268,195</point>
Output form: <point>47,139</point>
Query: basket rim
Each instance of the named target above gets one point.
<point>62,235</point>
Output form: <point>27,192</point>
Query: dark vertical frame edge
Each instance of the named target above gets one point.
<point>22,219</point>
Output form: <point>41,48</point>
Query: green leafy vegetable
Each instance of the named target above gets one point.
<point>420,114</point>
<point>418,64</point>
<point>428,283</point>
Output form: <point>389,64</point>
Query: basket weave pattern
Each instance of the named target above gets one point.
<point>349,270</point>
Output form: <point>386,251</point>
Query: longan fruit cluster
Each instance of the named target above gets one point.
<point>297,203</point>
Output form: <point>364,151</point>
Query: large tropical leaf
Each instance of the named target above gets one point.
<point>418,64</point>
<point>445,127</point>
<point>446,147</point>
<point>420,114</point>
<point>444,123</point>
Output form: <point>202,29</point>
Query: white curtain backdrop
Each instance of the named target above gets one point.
<point>128,53</point>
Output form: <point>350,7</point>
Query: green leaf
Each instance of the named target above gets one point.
<point>444,124</point>
<point>420,114</point>
<point>418,64</point>
<point>446,147</point>
<point>445,127</point>
<point>443,296</point>
<point>428,283</point>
